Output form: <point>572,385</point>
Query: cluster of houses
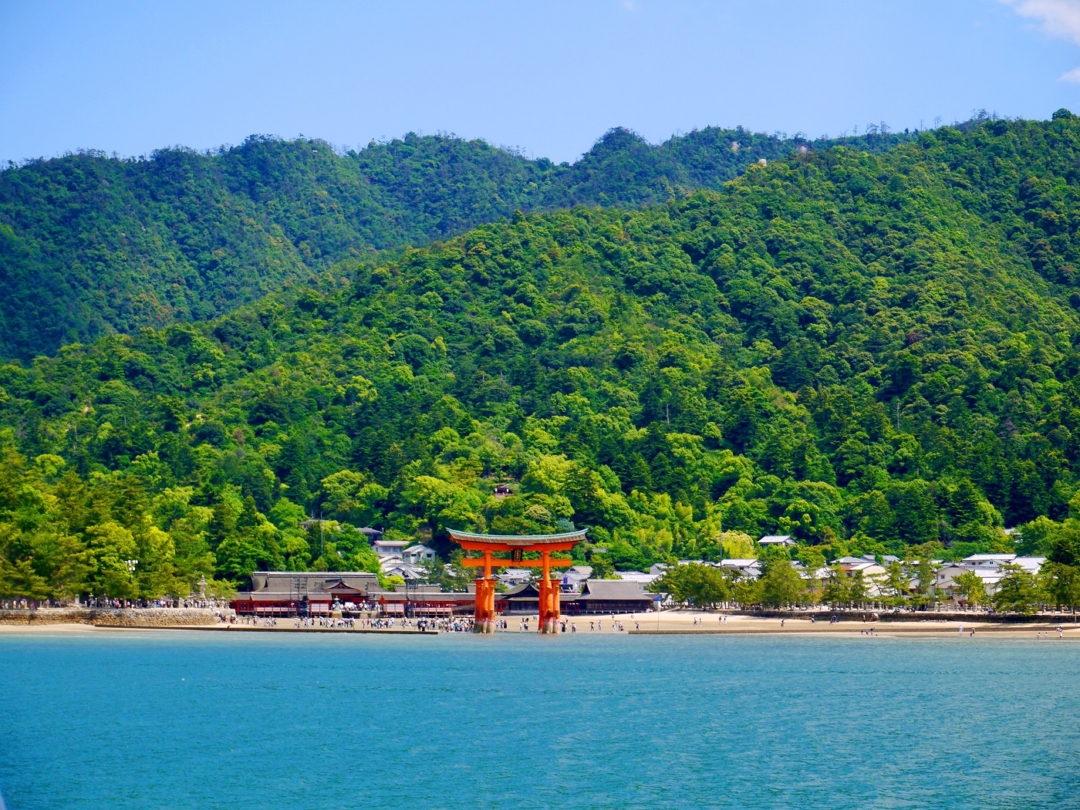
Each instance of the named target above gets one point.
<point>402,558</point>
<point>990,568</point>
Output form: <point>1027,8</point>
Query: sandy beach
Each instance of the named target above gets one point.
<point>668,622</point>
<point>690,622</point>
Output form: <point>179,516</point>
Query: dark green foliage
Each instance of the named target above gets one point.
<point>91,245</point>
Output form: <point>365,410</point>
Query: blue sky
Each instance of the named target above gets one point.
<point>547,77</point>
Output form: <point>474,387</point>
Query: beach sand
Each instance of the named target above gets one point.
<point>688,622</point>
<point>669,622</point>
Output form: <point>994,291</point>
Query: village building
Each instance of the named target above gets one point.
<point>990,568</point>
<point>637,576</point>
<point>574,577</point>
<point>418,553</point>
<point>600,596</point>
<point>873,573</point>
<point>776,540</point>
<point>396,567</point>
<point>744,567</point>
<point>389,548</point>
<point>512,577</point>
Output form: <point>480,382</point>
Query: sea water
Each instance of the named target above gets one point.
<point>207,720</point>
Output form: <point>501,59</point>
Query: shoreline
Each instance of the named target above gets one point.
<point>675,623</point>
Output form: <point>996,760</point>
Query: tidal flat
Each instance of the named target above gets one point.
<point>186,719</point>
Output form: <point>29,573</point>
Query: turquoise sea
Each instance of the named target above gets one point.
<point>200,720</point>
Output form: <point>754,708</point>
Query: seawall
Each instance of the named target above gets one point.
<point>113,617</point>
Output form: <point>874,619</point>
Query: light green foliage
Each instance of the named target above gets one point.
<point>971,588</point>
<point>782,586</point>
<point>737,545</point>
<point>700,585</point>
<point>1018,591</point>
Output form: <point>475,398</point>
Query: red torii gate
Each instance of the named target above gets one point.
<point>517,545</point>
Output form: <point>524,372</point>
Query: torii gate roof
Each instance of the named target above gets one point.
<point>518,540</point>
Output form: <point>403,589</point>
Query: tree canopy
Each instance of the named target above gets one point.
<point>871,352</point>
<point>91,245</point>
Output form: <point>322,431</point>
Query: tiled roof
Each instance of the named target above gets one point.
<point>614,589</point>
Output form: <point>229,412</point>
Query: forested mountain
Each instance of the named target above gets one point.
<point>871,352</point>
<point>91,245</point>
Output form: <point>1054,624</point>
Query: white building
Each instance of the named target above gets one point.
<point>417,554</point>
<point>396,567</point>
<point>510,577</point>
<point>636,576</point>
<point>390,548</point>
<point>776,540</point>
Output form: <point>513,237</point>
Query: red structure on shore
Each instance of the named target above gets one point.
<point>516,545</point>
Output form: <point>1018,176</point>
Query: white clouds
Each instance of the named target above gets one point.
<point>1058,18</point>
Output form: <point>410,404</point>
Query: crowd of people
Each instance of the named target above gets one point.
<point>449,624</point>
<point>456,624</point>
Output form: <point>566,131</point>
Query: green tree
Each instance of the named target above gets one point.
<point>701,585</point>
<point>837,589</point>
<point>19,579</point>
<point>925,591</point>
<point>113,559</point>
<point>781,585</point>
<point>971,588</point>
<point>1061,583</point>
<point>1018,591</point>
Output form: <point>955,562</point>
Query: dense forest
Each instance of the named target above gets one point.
<point>872,352</point>
<point>91,245</point>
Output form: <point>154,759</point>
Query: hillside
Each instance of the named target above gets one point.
<point>91,245</point>
<point>872,352</point>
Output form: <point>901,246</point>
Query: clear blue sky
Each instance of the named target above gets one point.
<point>548,77</point>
